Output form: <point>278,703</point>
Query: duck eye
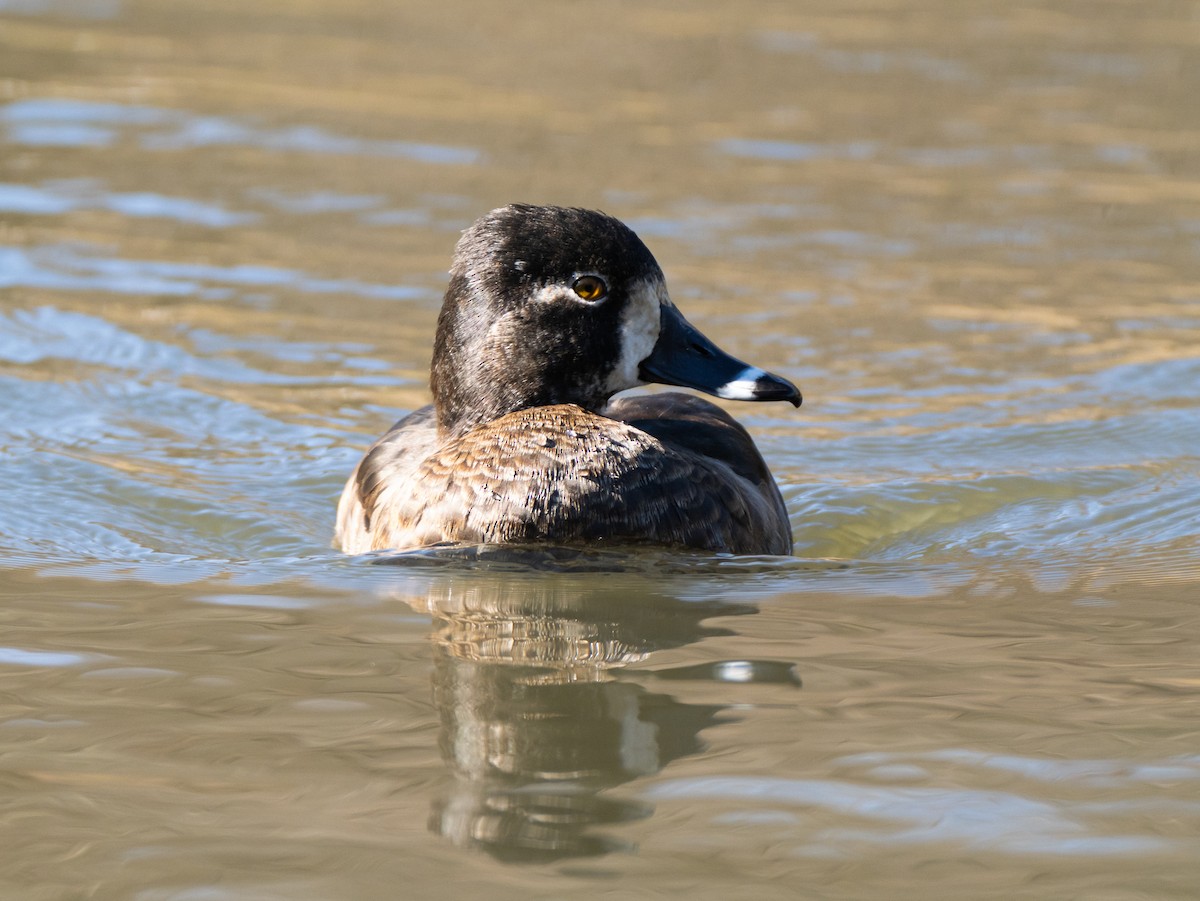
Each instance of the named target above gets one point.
<point>589,287</point>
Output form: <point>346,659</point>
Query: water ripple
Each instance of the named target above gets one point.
<point>984,820</point>
<point>67,123</point>
<point>56,198</point>
<point>72,268</point>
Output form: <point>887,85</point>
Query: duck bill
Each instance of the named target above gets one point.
<point>683,356</point>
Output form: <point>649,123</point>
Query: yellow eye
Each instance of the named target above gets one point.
<point>589,287</point>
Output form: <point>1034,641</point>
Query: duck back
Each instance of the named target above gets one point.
<point>669,469</point>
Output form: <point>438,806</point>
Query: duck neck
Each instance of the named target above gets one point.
<point>464,400</point>
<point>476,380</point>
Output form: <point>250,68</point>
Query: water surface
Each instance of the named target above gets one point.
<point>972,235</point>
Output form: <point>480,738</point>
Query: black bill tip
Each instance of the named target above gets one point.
<point>757,384</point>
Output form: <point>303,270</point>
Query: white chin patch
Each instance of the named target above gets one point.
<point>640,326</point>
<point>742,387</point>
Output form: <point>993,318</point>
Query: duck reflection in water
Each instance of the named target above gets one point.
<point>536,722</point>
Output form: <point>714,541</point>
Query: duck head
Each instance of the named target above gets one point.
<point>552,305</point>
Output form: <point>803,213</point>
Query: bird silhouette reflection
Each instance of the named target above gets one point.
<point>537,721</point>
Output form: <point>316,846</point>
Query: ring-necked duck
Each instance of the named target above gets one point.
<point>548,314</point>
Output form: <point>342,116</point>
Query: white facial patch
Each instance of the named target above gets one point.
<point>743,386</point>
<point>641,322</point>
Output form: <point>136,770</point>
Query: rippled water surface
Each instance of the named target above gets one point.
<point>970,231</point>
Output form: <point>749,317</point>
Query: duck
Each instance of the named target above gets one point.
<point>549,312</point>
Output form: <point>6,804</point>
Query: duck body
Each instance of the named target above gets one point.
<point>549,312</point>
<point>648,469</point>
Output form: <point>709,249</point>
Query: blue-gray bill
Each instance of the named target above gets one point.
<point>685,357</point>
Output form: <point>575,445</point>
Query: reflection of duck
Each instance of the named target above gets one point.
<point>533,721</point>
<point>550,312</point>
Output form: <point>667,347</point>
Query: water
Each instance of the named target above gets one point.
<point>971,234</point>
